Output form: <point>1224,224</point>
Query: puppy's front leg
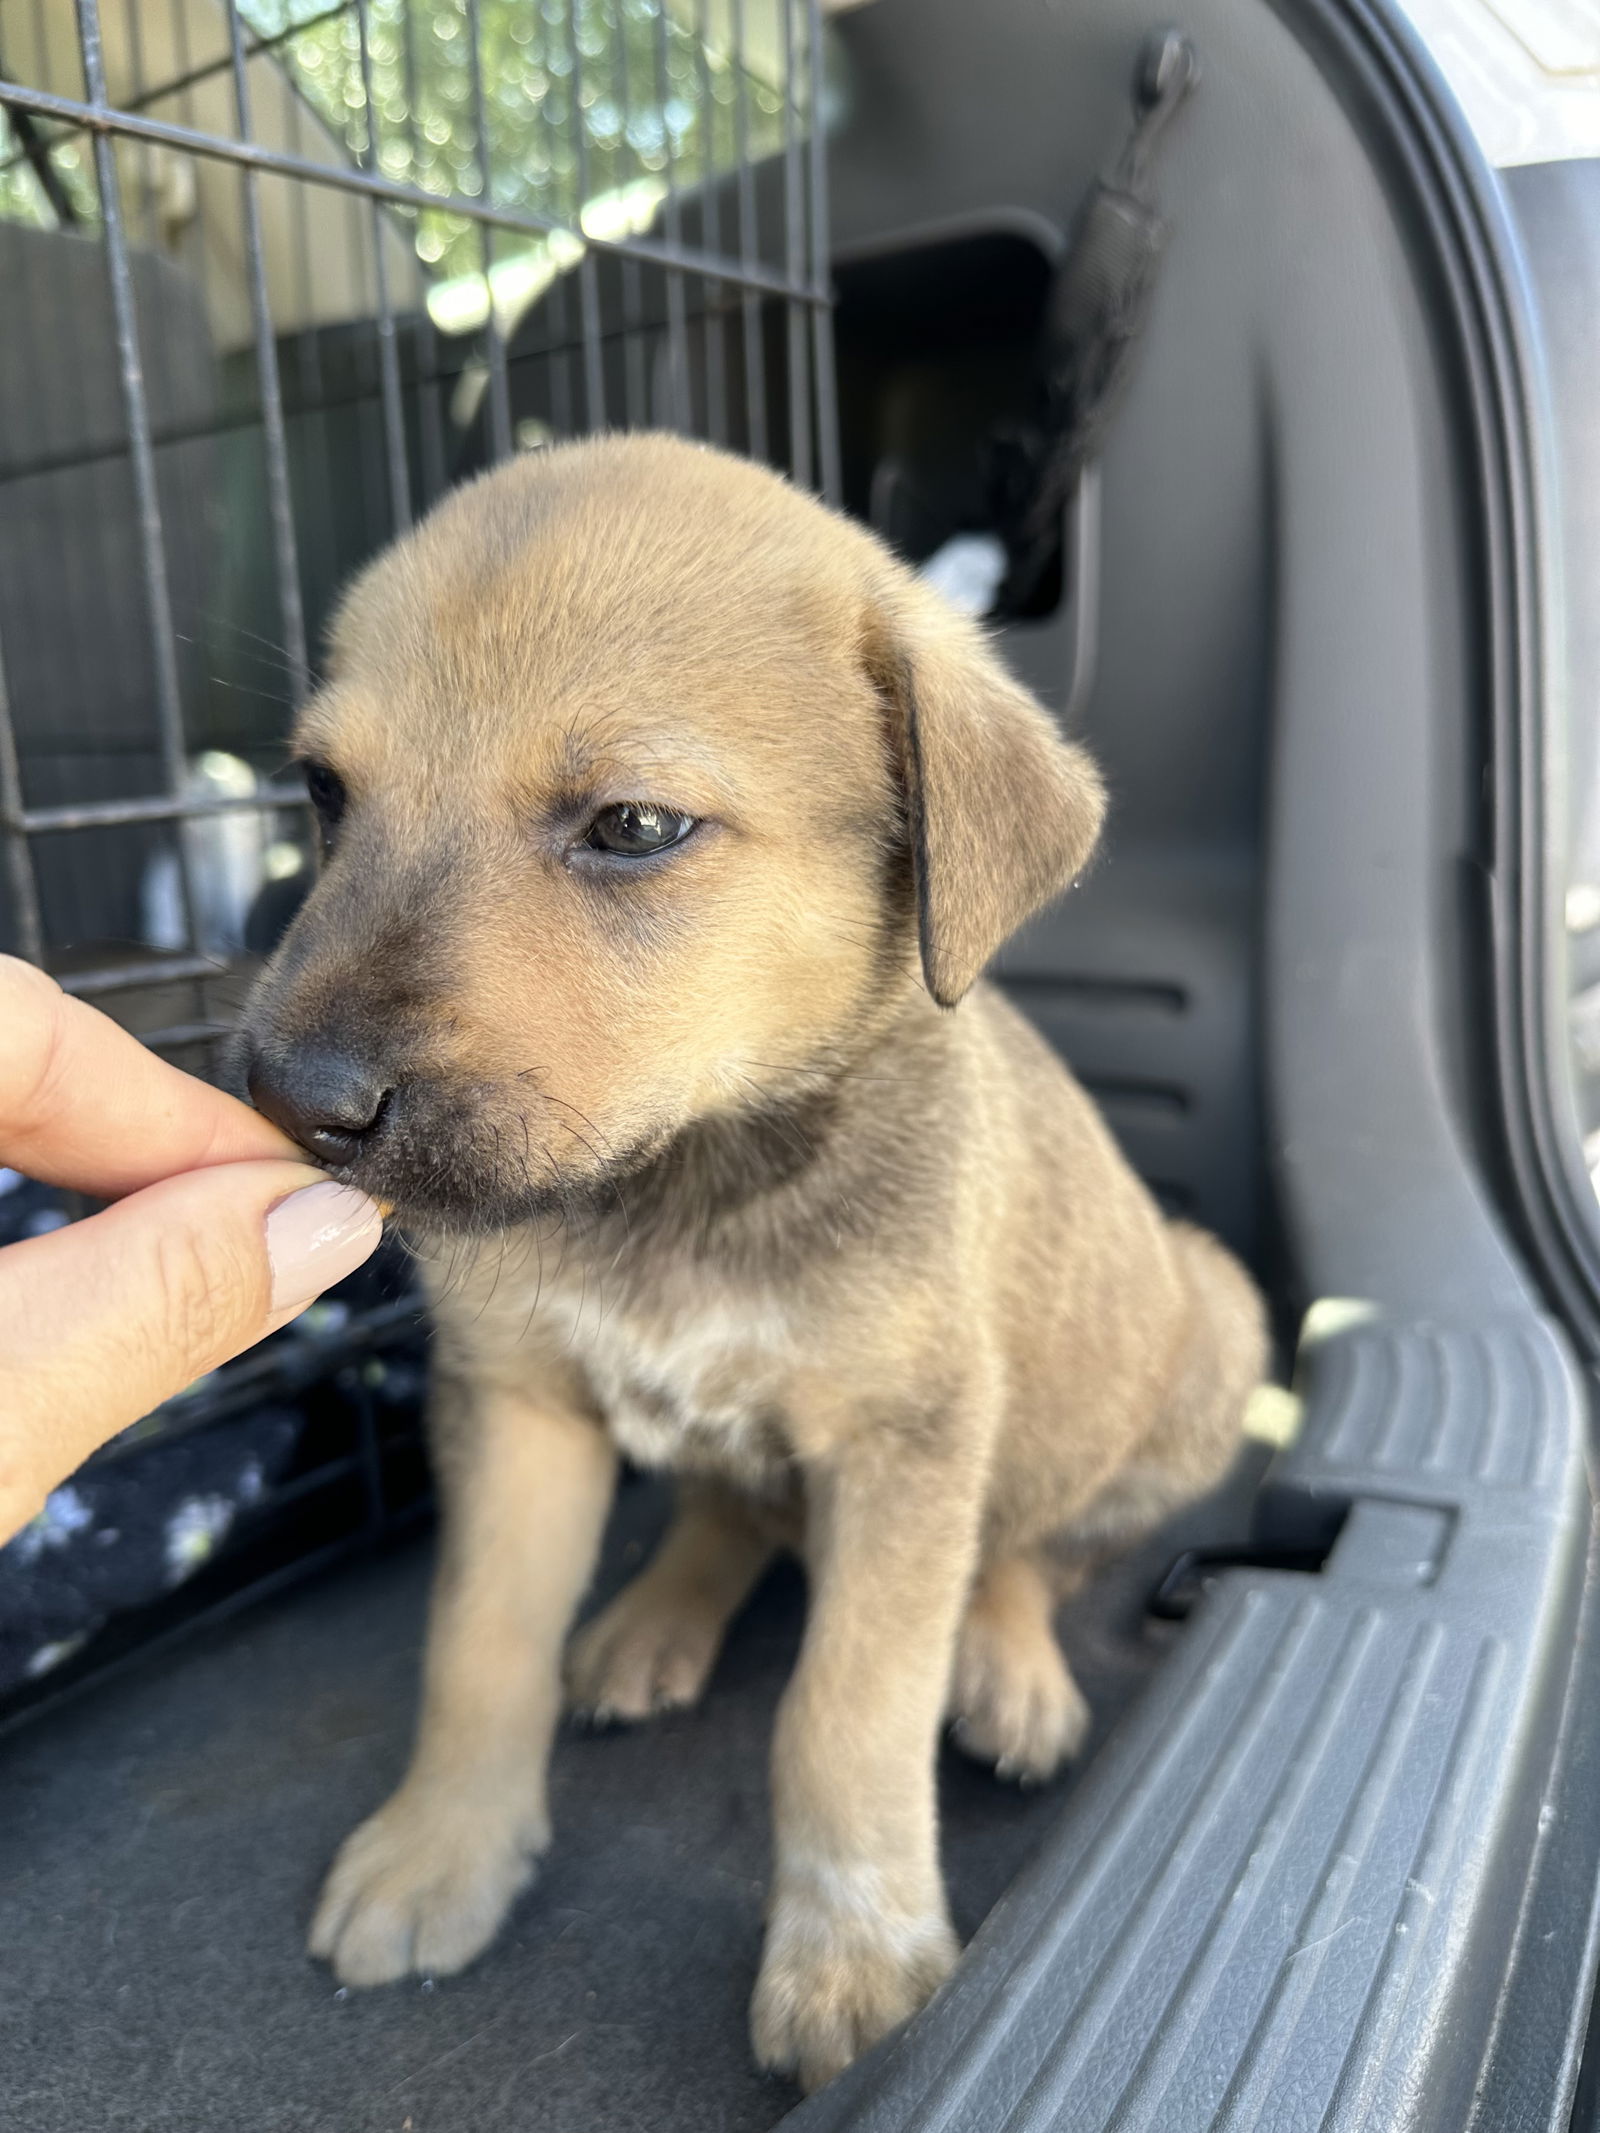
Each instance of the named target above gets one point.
<point>424,1884</point>
<point>858,1931</point>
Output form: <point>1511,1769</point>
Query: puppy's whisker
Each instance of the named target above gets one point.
<point>538,1285</point>
<point>613,1185</point>
<point>563,1105</point>
<point>243,688</point>
<point>268,645</point>
<point>500,1256</point>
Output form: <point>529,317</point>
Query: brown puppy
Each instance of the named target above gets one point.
<point>669,819</point>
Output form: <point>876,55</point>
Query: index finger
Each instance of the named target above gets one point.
<point>83,1104</point>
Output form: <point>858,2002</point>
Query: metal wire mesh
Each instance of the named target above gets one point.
<point>273,275</point>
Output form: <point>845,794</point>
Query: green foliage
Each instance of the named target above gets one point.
<point>22,197</point>
<point>581,98</point>
<point>582,101</point>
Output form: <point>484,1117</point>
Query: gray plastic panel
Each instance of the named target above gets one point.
<point>1310,1839</point>
<point>1151,1004</point>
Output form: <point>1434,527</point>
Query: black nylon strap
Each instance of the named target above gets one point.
<point>1100,297</point>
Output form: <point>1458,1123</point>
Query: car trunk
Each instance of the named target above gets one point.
<point>1330,1857</point>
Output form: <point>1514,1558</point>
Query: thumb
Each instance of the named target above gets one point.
<point>102,1321</point>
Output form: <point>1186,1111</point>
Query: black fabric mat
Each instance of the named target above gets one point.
<point>161,1841</point>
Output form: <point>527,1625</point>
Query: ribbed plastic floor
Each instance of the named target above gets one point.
<point>1286,1894</point>
<point>161,1841</point>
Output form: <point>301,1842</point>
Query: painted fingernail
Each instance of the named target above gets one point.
<point>316,1237</point>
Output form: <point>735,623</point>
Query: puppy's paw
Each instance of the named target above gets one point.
<point>420,1887</point>
<point>1014,1704</point>
<point>647,1652</point>
<point>834,1981</point>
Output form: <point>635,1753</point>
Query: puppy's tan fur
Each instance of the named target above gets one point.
<point>716,1172</point>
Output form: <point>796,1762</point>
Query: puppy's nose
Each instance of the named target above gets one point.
<point>323,1097</point>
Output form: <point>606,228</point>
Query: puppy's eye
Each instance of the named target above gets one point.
<point>633,829</point>
<point>325,789</point>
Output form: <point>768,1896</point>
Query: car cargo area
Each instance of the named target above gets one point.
<point>165,1836</point>
<point>1305,1851</point>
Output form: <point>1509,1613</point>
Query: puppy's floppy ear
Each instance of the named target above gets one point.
<point>1002,812</point>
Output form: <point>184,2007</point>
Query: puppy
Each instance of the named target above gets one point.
<point>669,825</point>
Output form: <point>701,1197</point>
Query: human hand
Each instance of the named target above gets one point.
<point>221,1233</point>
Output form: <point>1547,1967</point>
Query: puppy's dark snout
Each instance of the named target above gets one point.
<point>322,1096</point>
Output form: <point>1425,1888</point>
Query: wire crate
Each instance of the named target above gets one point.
<point>274,274</point>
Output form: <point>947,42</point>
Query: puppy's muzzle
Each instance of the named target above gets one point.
<point>323,1095</point>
